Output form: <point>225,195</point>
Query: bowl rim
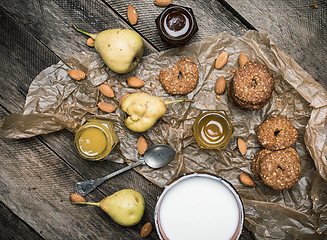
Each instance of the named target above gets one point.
<point>186,176</point>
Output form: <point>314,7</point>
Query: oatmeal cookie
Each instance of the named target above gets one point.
<point>255,164</point>
<point>241,104</point>
<point>182,78</point>
<point>277,133</point>
<point>280,169</point>
<point>253,83</point>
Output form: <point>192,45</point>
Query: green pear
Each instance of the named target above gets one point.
<point>125,207</point>
<point>120,49</point>
<point>144,110</point>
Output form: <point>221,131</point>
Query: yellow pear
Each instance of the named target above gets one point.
<point>120,49</point>
<point>125,207</point>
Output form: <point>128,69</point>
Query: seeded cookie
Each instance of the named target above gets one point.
<point>241,104</point>
<point>280,169</point>
<point>277,133</point>
<point>253,83</point>
<point>255,164</point>
<point>182,78</point>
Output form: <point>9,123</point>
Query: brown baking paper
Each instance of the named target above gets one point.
<point>55,101</point>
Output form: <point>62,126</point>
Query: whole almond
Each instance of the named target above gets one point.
<point>146,229</point>
<point>106,107</point>
<point>221,60</point>
<point>90,42</point>
<point>76,74</point>
<point>220,86</point>
<point>106,90</point>
<point>123,98</point>
<point>135,82</point>
<point>76,198</point>
<point>132,15</point>
<point>241,146</point>
<point>142,145</point>
<point>246,180</point>
<point>162,3</point>
<point>242,59</point>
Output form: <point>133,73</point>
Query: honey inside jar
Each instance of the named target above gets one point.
<point>212,129</point>
<point>92,141</point>
<point>95,139</point>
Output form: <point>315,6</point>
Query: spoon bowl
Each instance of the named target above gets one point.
<point>156,156</point>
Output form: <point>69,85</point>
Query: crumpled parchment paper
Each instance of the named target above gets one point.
<point>55,101</point>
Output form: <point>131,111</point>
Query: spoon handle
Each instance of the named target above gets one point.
<point>85,187</point>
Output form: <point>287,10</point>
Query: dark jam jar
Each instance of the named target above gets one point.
<point>176,24</point>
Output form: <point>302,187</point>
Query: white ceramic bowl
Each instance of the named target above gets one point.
<point>199,206</point>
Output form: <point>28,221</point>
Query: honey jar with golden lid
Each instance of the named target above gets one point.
<point>95,139</point>
<point>212,129</point>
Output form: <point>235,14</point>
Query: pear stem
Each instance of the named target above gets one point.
<point>88,203</point>
<point>179,100</point>
<point>93,36</point>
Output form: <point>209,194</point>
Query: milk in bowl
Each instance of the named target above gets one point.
<point>199,206</point>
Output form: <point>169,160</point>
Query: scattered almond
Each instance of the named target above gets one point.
<point>247,180</point>
<point>76,198</point>
<point>132,15</point>
<point>241,146</point>
<point>242,59</point>
<point>220,86</point>
<point>162,3</point>
<point>218,97</point>
<point>142,145</point>
<point>221,60</point>
<point>106,90</point>
<point>90,42</point>
<point>146,229</point>
<point>106,107</point>
<point>123,98</point>
<point>135,82</point>
<point>313,6</point>
<point>76,74</point>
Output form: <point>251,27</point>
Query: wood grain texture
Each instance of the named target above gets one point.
<point>11,225</point>
<point>51,22</point>
<point>211,17</point>
<point>38,174</point>
<point>296,28</point>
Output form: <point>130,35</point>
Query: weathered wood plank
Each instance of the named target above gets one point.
<point>35,185</point>
<point>211,17</point>
<point>51,22</point>
<point>11,225</point>
<point>36,163</point>
<point>296,28</point>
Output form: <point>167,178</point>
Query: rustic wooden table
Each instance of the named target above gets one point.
<point>37,174</point>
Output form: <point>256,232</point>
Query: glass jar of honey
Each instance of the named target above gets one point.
<point>176,24</point>
<point>95,139</point>
<point>212,129</point>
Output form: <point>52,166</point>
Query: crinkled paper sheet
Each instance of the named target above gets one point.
<point>55,101</point>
